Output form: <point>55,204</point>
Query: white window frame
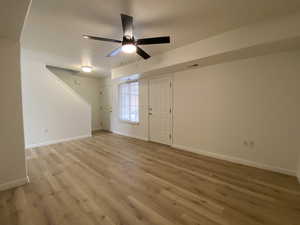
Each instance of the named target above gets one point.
<point>120,103</point>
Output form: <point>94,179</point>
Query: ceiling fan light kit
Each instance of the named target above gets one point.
<point>86,69</point>
<point>129,44</point>
<point>129,48</point>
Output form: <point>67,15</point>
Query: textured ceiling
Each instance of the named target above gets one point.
<point>54,28</point>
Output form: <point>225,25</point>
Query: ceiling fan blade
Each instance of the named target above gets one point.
<point>115,52</point>
<point>127,24</point>
<point>101,39</point>
<point>154,40</point>
<point>142,53</point>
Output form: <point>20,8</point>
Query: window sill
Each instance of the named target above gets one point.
<point>129,122</point>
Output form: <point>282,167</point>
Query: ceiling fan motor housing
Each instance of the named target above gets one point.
<point>128,40</point>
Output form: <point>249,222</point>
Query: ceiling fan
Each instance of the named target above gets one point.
<point>129,43</point>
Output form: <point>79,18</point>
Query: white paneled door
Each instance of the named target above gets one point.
<point>106,107</point>
<point>160,110</point>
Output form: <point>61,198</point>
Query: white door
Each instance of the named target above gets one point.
<point>160,110</point>
<point>106,107</point>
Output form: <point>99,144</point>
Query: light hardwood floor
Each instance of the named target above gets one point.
<point>109,179</point>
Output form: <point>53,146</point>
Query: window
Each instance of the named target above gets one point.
<point>129,102</point>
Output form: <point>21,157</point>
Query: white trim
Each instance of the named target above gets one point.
<point>97,129</point>
<point>236,160</point>
<point>129,122</point>
<point>129,94</point>
<point>128,135</point>
<point>14,183</point>
<point>57,141</point>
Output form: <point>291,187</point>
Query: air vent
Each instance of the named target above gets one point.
<point>193,65</point>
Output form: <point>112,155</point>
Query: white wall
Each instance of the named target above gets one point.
<point>218,107</point>
<point>52,110</point>
<point>87,87</point>
<point>12,160</point>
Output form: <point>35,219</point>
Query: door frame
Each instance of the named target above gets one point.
<point>171,79</point>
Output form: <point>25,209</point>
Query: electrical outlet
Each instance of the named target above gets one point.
<point>249,143</point>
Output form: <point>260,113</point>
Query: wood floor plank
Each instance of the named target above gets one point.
<point>115,180</point>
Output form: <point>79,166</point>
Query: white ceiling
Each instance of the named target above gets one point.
<point>54,28</point>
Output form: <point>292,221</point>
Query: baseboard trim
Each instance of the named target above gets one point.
<point>57,141</point>
<point>14,183</point>
<point>97,129</point>
<point>128,135</point>
<point>236,160</point>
